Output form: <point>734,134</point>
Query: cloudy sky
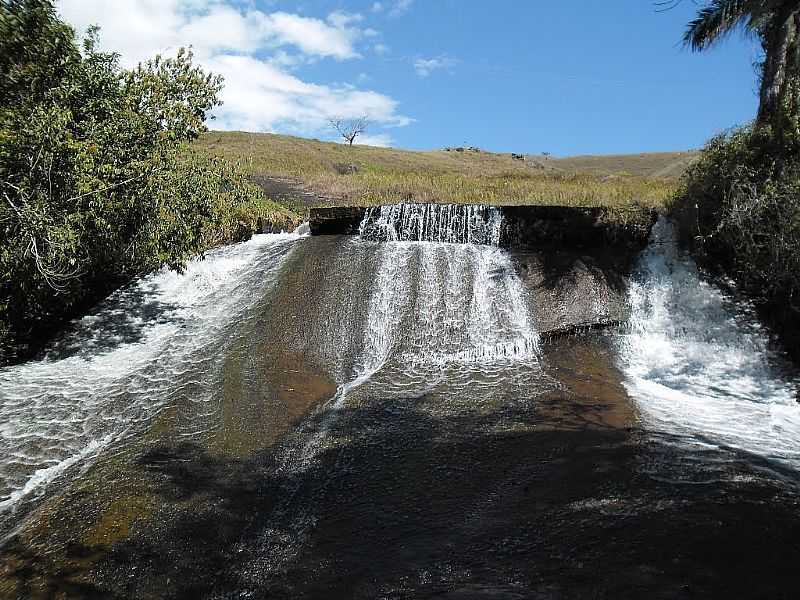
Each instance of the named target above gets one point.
<point>567,77</point>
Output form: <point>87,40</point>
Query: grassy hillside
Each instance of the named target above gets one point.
<point>300,172</point>
<point>670,165</point>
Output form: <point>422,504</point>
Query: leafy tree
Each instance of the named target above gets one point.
<point>777,23</point>
<point>97,182</point>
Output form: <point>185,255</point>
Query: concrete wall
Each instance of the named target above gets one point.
<point>528,227</point>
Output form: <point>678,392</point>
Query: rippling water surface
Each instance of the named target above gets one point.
<point>446,328</point>
<point>375,415</point>
<point>148,345</point>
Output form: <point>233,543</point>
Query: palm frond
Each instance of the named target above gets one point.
<point>721,17</point>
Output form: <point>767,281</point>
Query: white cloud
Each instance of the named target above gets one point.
<point>259,96</point>
<point>342,19</point>
<point>395,8</point>
<point>426,66</point>
<point>252,49</point>
<point>380,49</point>
<point>400,8</point>
<point>382,140</point>
<point>138,28</point>
<point>311,36</point>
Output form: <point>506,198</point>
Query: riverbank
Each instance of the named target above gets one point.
<point>230,224</point>
<point>293,174</point>
<point>738,209</point>
<point>303,173</point>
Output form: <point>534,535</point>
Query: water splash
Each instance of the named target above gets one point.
<point>150,345</point>
<point>699,364</point>
<point>438,309</point>
<point>448,223</point>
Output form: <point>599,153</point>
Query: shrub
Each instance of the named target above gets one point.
<point>740,205</point>
<point>97,180</point>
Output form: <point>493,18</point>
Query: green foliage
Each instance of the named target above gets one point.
<point>741,202</point>
<point>96,182</point>
<point>718,18</point>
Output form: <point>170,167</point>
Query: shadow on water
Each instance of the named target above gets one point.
<point>123,318</point>
<point>445,488</point>
<point>406,503</point>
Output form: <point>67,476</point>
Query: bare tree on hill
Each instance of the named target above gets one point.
<point>349,129</point>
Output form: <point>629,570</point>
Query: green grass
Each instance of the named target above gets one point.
<point>386,175</point>
<point>238,221</point>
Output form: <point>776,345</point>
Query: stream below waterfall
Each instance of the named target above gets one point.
<point>380,416</point>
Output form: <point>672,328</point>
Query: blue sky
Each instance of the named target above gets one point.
<point>567,77</point>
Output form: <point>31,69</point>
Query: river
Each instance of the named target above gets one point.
<point>377,416</point>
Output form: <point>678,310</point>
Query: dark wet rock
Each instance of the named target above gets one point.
<point>576,227</point>
<point>571,293</point>
<point>572,261</point>
<point>530,227</point>
<point>336,220</point>
<point>547,490</point>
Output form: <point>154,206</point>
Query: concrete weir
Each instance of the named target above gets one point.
<point>572,262</point>
<point>528,227</point>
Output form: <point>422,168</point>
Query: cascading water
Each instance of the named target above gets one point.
<point>447,223</point>
<point>699,364</point>
<point>445,300</point>
<point>148,346</point>
<point>446,322</point>
<point>454,295</point>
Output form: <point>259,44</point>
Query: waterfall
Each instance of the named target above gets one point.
<point>445,320</point>
<point>153,344</point>
<point>699,364</point>
<point>463,300</point>
<point>436,309</point>
<point>447,223</point>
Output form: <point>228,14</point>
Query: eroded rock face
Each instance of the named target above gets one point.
<point>572,261</point>
<point>532,227</point>
<point>569,292</point>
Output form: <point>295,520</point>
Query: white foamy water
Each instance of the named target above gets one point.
<point>450,223</point>
<point>439,313</point>
<point>445,293</point>
<point>468,307</point>
<point>444,320</point>
<point>146,347</point>
<point>699,364</point>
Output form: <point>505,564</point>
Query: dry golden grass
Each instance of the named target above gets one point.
<point>386,175</point>
<point>665,165</point>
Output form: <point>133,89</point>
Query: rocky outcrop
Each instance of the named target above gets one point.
<point>336,220</point>
<point>570,292</point>
<point>572,261</point>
